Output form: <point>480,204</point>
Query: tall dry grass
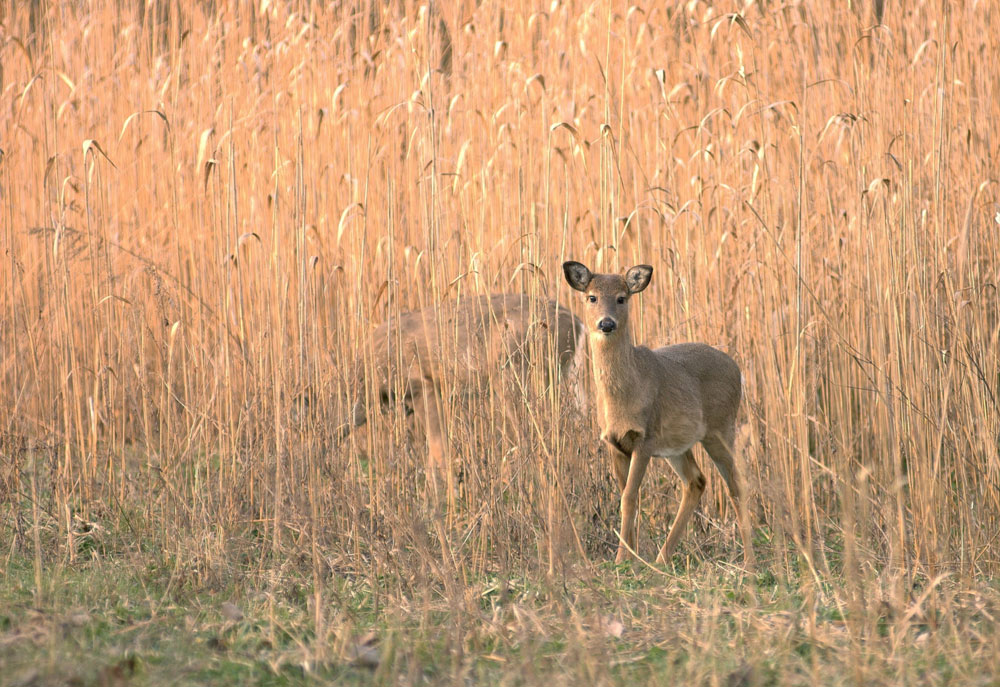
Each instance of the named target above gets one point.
<point>207,206</point>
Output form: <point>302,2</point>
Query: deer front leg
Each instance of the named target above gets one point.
<point>425,401</point>
<point>630,504</point>
<point>619,466</point>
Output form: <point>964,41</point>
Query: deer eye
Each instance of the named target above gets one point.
<point>592,298</point>
<point>621,300</point>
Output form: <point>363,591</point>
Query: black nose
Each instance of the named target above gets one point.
<point>607,325</point>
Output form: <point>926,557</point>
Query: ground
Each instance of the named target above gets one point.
<point>142,617</point>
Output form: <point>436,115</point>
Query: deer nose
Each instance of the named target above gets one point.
<point>607,325</point>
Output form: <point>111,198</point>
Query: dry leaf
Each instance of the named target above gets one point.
<point>364,652</point>
<point>613,627</point>
<point>231,611</point>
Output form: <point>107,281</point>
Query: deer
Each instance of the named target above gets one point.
<point>419,356</point>
<point>658,402</point>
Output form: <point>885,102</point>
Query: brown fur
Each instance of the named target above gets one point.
<point>420,356</point>
<point>658,403</point>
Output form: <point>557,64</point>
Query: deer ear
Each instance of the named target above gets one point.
<point>638,278</point>
<point>577,275</point>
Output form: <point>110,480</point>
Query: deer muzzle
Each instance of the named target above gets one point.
<point>607,325</point>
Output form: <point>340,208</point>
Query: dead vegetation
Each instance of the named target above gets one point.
<point>208,207</point>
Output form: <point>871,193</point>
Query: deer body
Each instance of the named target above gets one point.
<point>657,403</point>
<point>670,418</point>
<point>458,347</point>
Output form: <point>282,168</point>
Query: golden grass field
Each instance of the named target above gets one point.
<point>208,206</point>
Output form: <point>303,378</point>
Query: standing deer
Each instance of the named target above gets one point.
<point>419,356</point>
<point>658,403</point>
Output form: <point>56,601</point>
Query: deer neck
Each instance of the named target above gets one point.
<point>615,371</point>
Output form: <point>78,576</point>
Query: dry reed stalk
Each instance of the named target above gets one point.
<point>308,174</point>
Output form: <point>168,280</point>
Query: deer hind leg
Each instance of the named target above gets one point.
<point>694,484</point>
<point>720,448</point>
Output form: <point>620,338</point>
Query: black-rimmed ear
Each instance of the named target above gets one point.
<point>577,275</point>
<point>638,278</point>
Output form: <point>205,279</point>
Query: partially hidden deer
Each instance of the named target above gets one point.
<point>424,359</point>
<point>658,402</point>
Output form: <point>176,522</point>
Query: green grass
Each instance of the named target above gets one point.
<point>100,620</point>
<point>140,617</point>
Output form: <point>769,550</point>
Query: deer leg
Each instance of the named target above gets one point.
<point>511,402</point>
<point>619,466</point>
<point>694,484</point>
<point>630,505</point>
<point>719,448</point>
<point>425,402</point>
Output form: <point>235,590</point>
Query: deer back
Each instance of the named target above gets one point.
<point>462,343</point>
